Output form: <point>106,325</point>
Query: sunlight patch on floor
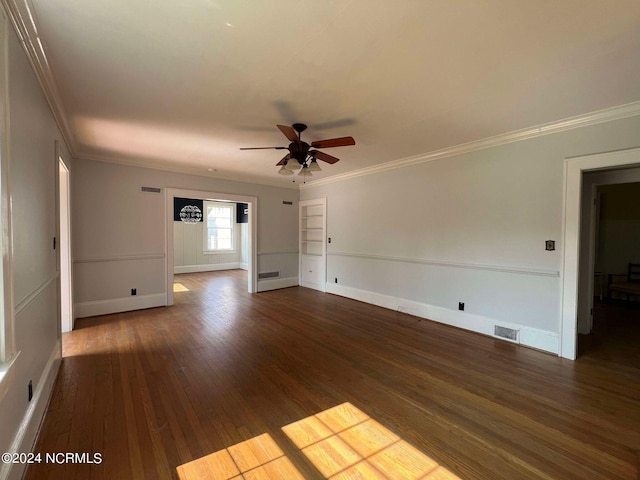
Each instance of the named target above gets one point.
<point>344,443</point>
<point>178,287</point>
<point>259,458</point>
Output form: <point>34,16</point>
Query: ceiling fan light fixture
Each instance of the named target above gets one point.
<point>293,164</point>
<point>313,166</point>
<point>285,171</point>
<point>305,172</point>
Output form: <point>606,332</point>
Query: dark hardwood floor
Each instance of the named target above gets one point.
<point>615,338</point>
<point>151,390</point>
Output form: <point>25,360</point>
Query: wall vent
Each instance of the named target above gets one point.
<point>287,202</point>
<point>263,275</point>
<point>506,333</point>
<point>151,189</point>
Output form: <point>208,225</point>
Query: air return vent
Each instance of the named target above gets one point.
<point>151,189</point>
<point>506,333</point>
<point>263,275</point>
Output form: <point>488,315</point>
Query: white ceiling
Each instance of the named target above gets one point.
<point>184,84</point>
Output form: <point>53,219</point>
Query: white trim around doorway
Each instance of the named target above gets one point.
<point>67,318</point>
<point>574,169</point>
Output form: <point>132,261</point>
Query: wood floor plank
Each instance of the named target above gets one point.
<point>156,389</point>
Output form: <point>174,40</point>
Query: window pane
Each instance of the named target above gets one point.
<point>219,224</point>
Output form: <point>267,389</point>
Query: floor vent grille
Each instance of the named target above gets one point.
<point>263,275</point>
<point>506,333</point>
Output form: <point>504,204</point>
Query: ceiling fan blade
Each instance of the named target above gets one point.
<point>325,157</point>
<point>284,159</point>
<point>334,142</point>
<point>263,148</point>
<point>289,132</point>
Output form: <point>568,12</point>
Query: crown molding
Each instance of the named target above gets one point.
<point>593,118</point>
<point>184,169</point>
<point>35,49</point>
<point>36,53</point>
<point>27,33</point>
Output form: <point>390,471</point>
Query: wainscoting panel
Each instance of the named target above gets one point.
<point>109,279</point>
<point>514,297</point>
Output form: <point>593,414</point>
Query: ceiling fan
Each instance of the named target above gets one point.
<point>301,153</point>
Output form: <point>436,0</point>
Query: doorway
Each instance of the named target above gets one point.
<point>251,234</point>
<point>610,240</point>
<point>66,291</point>
<point>579,244</point>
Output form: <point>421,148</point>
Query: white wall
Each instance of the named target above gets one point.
<point>119,232</point>
<point>469,228</point>
<point>244,245</point>
<point>32,177</point>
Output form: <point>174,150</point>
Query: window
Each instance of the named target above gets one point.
<point>219,226</point>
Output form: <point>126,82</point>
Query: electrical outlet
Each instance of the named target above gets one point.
<point>30,388</point>
<point>329,240</point>
<point>336,279</point>
<point>460,305</point>
<point>134,291</point>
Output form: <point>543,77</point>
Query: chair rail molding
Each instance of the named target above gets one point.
<point>441,263</point>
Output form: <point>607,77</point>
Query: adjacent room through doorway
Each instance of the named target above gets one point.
<point>614,331</point>
<point>208,233</point>
<point>209,236</point>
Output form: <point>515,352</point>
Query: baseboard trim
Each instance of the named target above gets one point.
<point>530,337</point>
<point>213,267</point>
<point>29,429</point>
<point>276,283</point>
<point>116,305</point>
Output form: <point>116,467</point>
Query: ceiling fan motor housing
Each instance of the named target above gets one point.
<point>299,151</point>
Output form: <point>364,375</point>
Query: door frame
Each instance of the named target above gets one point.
<point>7,327</point>
<point>574,169</point>
<point>252,202</point>
<point>63,219</point>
